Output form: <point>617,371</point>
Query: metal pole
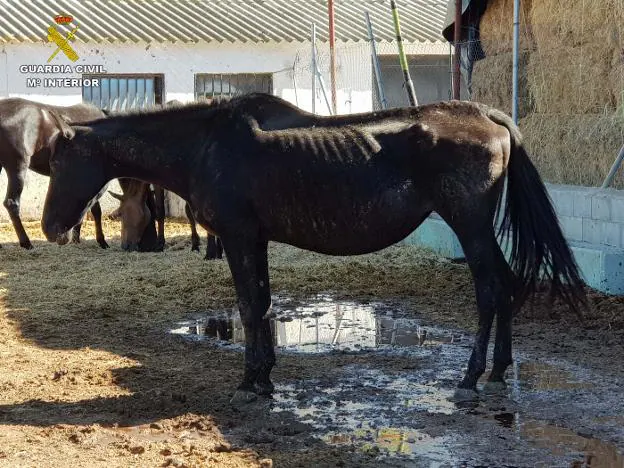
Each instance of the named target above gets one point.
<point>409,86</point>
<point>457,45</point>
<point>323,88</point>
<point>313,68</point>
<point>332,54</point>
<point>294,78</point>
<point>614,168</point>
<point>376,67</point>
<point>516,54</point>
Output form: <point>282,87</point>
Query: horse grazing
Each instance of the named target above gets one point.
<point>139,207</point>
<point>25,135</point>
<point>138,215</point>
<point>347,185</point>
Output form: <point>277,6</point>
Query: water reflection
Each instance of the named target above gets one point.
<point>561,441</point>
<point>395,441</point>
<point>326,324</point>
<point>535,375</point>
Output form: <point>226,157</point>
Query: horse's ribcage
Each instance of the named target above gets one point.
<point>328,145</point>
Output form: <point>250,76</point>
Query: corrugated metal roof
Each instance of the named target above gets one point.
<point>191,21</point>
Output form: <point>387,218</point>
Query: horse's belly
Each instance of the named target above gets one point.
<point>346,226</point>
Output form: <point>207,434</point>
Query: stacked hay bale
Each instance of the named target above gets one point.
<point>572,82</point>
<point>492,76</point>
<point>576,49</point>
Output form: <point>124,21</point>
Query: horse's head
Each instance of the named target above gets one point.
<point>134,213</point>
<point>77,178</point>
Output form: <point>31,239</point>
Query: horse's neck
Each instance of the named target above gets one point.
<point>152,167</point>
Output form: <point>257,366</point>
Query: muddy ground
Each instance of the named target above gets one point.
<point>91,376</point>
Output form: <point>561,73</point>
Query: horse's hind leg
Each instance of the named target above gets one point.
<point>247,258</point>
<point>489,271</point>
<point>96,211</point>
<point>15,186</point>
<point>194,235</point>
<point>502,347</point>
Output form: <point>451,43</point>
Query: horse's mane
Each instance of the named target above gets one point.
<point>164,110</point>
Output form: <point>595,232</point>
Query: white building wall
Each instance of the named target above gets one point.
<point>289,64</point>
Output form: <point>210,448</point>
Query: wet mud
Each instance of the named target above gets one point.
<point>553,412</point>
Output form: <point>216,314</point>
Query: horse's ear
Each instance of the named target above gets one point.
<point>106,112</point>
<point>61,123</point>
<point>116,195</point>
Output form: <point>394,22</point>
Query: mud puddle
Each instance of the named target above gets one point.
<point>326,325</point>
<point>553,413</point>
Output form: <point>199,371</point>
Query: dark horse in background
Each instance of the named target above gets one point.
<point>345,185</point>
<point>25,135</point>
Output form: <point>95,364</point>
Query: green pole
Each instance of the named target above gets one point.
<point>409,86</point>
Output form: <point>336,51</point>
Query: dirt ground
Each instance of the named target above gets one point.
<point>89,375</point>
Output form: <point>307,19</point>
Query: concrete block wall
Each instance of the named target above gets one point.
<point>589,214</point>
<point>592,220</point>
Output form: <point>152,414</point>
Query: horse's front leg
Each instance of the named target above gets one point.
<point>15,186</point>
<point>247,258</point>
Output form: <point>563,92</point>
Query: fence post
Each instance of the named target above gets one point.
<point>376,67</point>
<point>313,68</point>
<point>409,86</point>
<point>457,45</point>
<point>516,52</point>
<point>332,54</point>
<point>614,168</point>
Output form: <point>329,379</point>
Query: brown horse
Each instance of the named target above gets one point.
<point>346,185</point>
<point>25,135</point>
<point>139,207</point>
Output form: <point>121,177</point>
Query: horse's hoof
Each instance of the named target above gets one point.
<point>494,387</point>
<point>265,388</point>
<point>195,248</point>
<point>464,395</point>
<point>27,245</point>
<point>243,397</point>
<point>103,244</point>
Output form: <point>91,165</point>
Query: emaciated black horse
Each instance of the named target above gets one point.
<point>349,185</point>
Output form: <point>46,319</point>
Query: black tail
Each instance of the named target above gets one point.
<point>537,242</point>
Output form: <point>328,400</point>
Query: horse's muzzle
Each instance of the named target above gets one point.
<point>62,239</point>
<point>130,247</point>
<point>55,233</point>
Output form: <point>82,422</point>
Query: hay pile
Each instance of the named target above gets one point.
<point>576,22</point>
<point>496,27</point>
<point>574,149</point>
<point>571,82</point>
<point>578,44</point>
<point>492,83</point>
<point>492,76</point>
<point>616,85</point>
